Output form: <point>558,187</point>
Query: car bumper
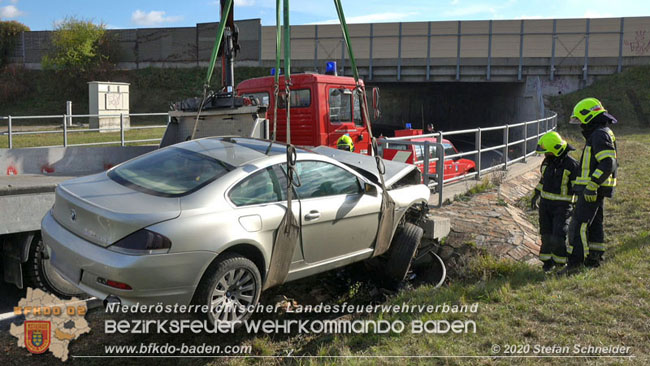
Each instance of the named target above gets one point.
<point>156,278</point>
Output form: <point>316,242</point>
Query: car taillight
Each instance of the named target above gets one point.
<point>142,242</point>
<point>114,284</point>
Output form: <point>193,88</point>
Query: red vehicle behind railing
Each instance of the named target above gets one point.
<point>414,154</point>
<point>323,108</point>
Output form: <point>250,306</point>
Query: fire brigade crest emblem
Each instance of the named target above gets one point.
<point>37,336</point>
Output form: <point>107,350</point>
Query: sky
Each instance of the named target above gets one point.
<point>45,14</point>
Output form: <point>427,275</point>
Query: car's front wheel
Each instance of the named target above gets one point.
<point>231,288</point>
<point>401,253</point>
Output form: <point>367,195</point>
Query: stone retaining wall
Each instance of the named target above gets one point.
<point>494,221</point>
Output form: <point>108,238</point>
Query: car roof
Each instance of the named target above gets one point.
<point>236,151</point>
<point>431,139</point>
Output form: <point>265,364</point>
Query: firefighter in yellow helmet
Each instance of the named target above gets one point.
<point>345,143</point>
<point>596,180</point>
<point>556,192</point>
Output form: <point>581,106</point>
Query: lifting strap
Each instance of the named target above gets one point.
<point>387,221</point>
<point>288,233</point>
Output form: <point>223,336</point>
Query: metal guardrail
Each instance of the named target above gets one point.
<point>436,181</point>
<point>67,122</point>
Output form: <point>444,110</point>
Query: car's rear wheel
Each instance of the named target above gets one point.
<point>230,287</point>
<point>39,273</point>
<point>401,253</point>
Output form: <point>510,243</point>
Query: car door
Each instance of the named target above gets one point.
<point>260,201</point>
<point>337,218</point>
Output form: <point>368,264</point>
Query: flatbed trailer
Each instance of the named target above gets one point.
<point>27,185</point>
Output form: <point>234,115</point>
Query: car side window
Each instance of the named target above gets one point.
<point>320,179</point>
<point>261,187</point>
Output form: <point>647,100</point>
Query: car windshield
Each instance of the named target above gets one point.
<point>449,149</point>
<point>169,172</point>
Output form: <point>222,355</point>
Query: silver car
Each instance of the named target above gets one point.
<point>196,222</point>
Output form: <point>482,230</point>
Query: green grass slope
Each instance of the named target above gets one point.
<point>625,95</point>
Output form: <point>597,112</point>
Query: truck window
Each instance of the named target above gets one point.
<point>340,106</point>
<point>262,97</point>
<point>300,98</point>
<point>419,152</point>
<point>357,109</point>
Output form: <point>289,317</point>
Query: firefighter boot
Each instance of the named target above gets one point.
<point>545,252</point>
<point>594,258</point>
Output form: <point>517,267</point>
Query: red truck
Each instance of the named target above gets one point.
<point>323,108</point>
<point>414,154</point>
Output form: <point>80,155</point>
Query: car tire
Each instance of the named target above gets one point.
<point>39,273</point>
<point>231,280</point>
<point>401,252</point>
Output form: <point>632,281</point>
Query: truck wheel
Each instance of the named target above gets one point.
<point>229,284</point>
<point>401,253</point>
<point>39,273</point>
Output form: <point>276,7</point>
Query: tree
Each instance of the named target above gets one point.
<point>9,32</point>
<point>77,47</point>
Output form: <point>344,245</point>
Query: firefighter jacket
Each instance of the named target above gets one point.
<point>598,163</point>
<point>558,173</point>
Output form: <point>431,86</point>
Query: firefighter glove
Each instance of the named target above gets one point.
<point>533,201</point>
<point>591,192</point>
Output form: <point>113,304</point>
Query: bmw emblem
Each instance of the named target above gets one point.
<point>73,215</point>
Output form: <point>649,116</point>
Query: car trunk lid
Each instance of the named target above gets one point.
<point>102,211</point>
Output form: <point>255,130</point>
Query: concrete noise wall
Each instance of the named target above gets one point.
<point>159,47</point>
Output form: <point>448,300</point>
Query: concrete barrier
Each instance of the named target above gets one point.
<point>68,161</point>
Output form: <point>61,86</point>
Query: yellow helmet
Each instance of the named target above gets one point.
<point>551,142</point>
<point>345,143</point>
<point>587,109</point>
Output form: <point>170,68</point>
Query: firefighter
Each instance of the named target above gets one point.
<point>345,143</point>
<point>596,180</point>
<point>556,192</point>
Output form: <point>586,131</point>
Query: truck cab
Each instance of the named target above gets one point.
<point>414,154</point>
<point>323,108</point>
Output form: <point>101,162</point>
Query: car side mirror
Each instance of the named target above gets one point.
<point>370,189</point>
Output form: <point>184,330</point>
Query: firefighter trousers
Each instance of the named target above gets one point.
<point>553,226</point>
<point>586,235</point>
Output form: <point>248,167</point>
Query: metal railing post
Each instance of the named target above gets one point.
<point>65,130</point>
<point>506,133</point>
<point>478,154</point>
<point>169,119</point>
<point>121,129</point>
<point>538,128</point>
<point>525,140</point>
<point>440,170</point>
<point>425,167</point>
<point>68,111</point>
<point>439,137</point>
<point>11,140</point>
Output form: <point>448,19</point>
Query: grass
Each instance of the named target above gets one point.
<point>81,137</point>
<point>625,95</point>
<point>481,187</point>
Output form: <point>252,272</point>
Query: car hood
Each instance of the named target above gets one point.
<point>394,170</point>
<point>103,211</point>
